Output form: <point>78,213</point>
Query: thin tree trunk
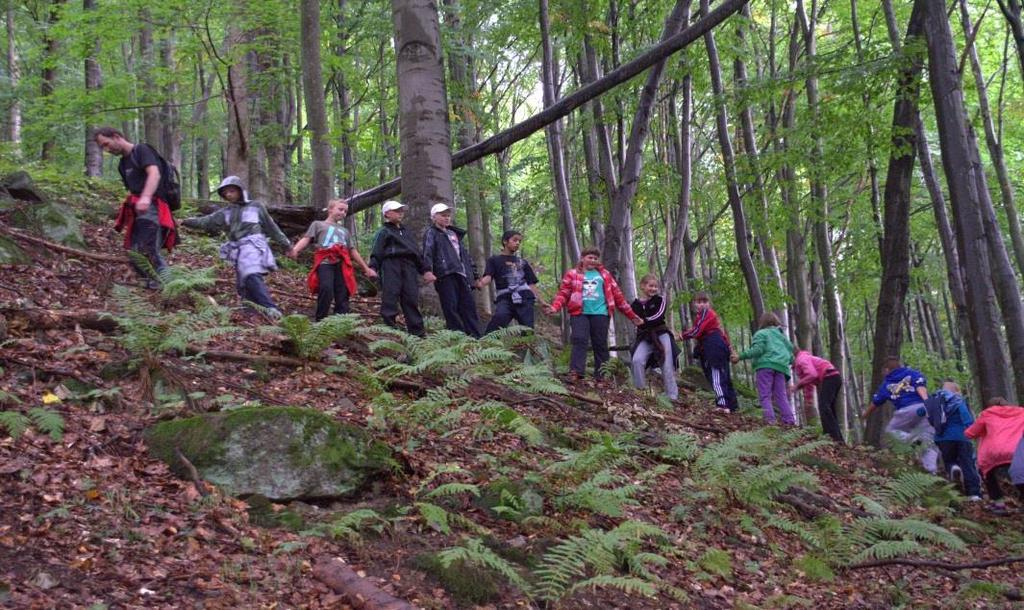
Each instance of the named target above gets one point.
<point>732,185</point>
<point>322,183</point>
<point>959,166</point>
<point>819,195</point>
<point>672,279</point>
<point>554,137</point>
<point>170,132</point>
<point>422,109</point>
<point>1012,12</point>
<point>93,81</point>
<point>14,74</point>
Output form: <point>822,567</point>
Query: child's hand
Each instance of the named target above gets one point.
<point>734,358</point>
<point>429,277</point>
<point>638,322</point>
<point>370,273</point>
<point>292,254</point>
<point>550,310</point>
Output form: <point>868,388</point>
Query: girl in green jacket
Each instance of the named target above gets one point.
<point>772,354</point>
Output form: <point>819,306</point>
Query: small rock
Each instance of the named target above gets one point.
<point>518,542</point>
<point>44,581</point>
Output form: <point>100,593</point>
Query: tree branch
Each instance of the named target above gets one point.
<point>359,591</point>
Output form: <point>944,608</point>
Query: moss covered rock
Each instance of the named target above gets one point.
<point>11,253</point>
<point>511,500</point>
<point>282,453</point>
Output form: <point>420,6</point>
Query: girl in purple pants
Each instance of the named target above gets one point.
<point>772,353</point>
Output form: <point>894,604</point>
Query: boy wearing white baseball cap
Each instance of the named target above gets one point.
<point>451,263</point>
<point>399,263</point>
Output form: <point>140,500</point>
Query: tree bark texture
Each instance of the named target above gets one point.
<point>322,188</point>
<point>422,110</point>
<point>235,97</point>
<point>48,85</point>
<point>959,169</point>
<point>14,74</point>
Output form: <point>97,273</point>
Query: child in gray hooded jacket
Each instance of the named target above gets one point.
<point>247,225</point>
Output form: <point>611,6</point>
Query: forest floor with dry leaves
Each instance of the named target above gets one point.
<point>93,521</point>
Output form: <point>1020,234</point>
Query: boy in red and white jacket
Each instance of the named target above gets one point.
<point>590,294</point>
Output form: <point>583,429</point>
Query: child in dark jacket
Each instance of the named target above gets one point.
<point>906,389</point>
<point>332,277</point>
<point>590,294</point>
<point>515,284</point>
<point>653,346</point>
<point>449,259</point>
<point>398,261</point>
<point>713,351</point>
<point>957,452</point>
<point>247,225</point>
<point>772,353</point>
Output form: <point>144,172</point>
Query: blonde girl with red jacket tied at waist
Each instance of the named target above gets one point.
<point>590,294</point>
<point>333,277</point>
<point>144,215</point>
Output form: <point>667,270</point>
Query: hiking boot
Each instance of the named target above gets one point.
<point>956,475</point>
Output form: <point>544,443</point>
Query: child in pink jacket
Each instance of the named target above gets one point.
<point>811,371</point>
<point>998,430</point>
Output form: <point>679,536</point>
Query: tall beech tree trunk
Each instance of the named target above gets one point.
<point>93,81</point>
<point>556,153</point>
<point>678,241</point>
<point>322,187</point>
<point>957,161</point>
<point>14,74</point>
<point>995,147</point>
<point>463,81</point>
<point>739,220</point>
<point>422,110</point>
<point>617,243</point>
<point>237,150</point>
<point>1012,12</point>
<point>559,109</point>
<point>895,254</point>
<point>819,197</point>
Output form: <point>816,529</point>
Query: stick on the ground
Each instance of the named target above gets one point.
<point>106,258</point>
<point>359,591</point>
<point>942,565</point>
<point>192,473</point>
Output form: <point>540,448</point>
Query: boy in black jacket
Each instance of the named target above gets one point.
<point>398,262</point>
<point>449,260</point>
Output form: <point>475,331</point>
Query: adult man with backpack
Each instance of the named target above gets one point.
<point>153,194</point>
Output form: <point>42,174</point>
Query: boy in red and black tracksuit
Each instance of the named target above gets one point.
<point>713,351</point>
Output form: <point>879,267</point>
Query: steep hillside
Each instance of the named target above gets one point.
<point>501,487</point>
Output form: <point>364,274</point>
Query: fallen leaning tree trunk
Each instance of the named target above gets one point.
<point>358,590</point>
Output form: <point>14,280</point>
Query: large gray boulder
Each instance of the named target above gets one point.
<point>283,453</point>
<point>30,211</point>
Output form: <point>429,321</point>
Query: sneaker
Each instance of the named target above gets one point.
<point>152,284</point>
<point>274,314</point>
<point>998,508</point>
<point>956,475</point>
<point>974,498</point>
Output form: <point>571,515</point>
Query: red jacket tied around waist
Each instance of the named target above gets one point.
<point>335,254</point>
<point>126,221</point>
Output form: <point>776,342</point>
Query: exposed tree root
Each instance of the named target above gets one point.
<point>359,591</point>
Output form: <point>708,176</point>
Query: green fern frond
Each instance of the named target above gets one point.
<point>872,506</point>
<point>448,490</point>
<point>475,552</point>
<point>910,487</point>
<point>15,423</point>
<point>595,495</point>
<point>434,516</point>
<point>179,280</point>
<point>679,448</point>
<point>48,421</point>
<point>629,585</point>
<point>888,549</point>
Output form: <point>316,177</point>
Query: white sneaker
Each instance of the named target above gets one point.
<point>974,498</point>
<point>956,475</point>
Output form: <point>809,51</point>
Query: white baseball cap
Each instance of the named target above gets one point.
<point>391,205</point>
<point>439,207</point>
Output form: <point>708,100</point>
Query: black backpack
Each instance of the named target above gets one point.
<point>170,184</point>
<point>935,411</point>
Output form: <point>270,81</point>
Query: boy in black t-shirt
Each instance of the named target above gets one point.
<point>145,216</point>
<point>515,282</point>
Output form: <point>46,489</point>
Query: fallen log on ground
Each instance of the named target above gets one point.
<point>358,590</point>
<point>95,256</point>
<point>38,318</point>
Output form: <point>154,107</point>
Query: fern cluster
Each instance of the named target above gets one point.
<point>44,420</point>
<point>350,526</point>
<point>310,338</point>
<point>605,493</point>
